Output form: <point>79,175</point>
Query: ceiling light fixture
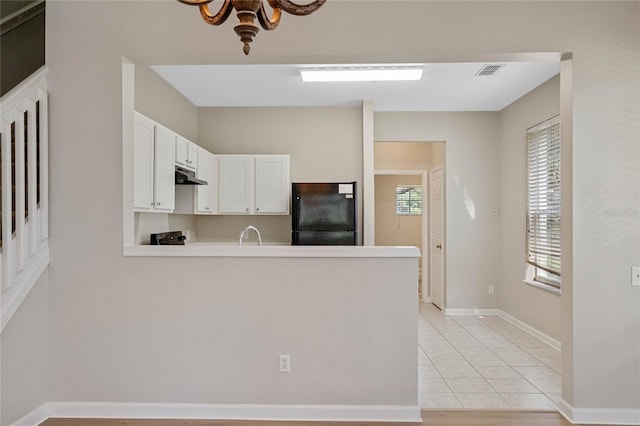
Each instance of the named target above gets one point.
<point>248,11</point>
<point>382,73</point>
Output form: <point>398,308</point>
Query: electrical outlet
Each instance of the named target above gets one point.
<point>635,276</point>
<point>285,363</point>
<point>491,289</point>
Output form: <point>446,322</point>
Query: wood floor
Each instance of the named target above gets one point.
<point>431,418</point>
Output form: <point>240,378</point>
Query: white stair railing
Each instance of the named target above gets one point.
<point>24,254</point>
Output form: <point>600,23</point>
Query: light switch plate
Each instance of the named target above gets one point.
<point>635,276</point>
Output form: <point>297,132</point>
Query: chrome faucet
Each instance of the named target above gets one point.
<point>246,230</point>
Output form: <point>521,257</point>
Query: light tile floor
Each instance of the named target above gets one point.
<point>483,362</point>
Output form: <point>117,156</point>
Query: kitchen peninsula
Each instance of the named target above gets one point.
<point>346,316</point>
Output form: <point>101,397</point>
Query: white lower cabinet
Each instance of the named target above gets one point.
<point>153,166</point>
<point>253,184</point>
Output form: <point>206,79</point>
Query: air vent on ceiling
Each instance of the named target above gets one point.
<point>489,69</point>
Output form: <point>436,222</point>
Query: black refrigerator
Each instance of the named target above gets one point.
<point>324,214</point>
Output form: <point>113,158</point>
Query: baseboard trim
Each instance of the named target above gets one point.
<point>472,312</point>
<point>267,412</point>
<point>545,338</point>
<point>555,344</point>
<point>35,417</point>
<point>610,416</point>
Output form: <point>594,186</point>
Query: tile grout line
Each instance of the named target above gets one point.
<point>500,332</point>
<point>456,349</point>
<point>434,366</point>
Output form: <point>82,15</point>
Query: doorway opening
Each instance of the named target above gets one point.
<point>403,207</point>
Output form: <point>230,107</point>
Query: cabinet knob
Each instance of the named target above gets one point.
<point>207,208</point>
<point>158,204</point>
<point>247,209</point>
<point>257,209</point>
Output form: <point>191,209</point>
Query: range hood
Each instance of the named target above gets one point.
<point>187,177</point>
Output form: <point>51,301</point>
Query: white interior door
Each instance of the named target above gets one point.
<point>436,251</point>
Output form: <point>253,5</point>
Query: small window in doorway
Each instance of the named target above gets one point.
<point>408,200</point>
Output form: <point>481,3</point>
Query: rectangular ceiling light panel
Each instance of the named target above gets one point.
<point>361,74</point>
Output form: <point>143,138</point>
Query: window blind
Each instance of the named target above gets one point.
<point>543,196</point>
<point>408,200</point>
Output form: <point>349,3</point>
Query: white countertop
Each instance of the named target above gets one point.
<point>277,250</point>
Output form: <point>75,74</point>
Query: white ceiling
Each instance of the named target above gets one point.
<point>444,87</point>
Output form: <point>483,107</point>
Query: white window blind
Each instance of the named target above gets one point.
<point>543,201</point>
<point>408,200</point>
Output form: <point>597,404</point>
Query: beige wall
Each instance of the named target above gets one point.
<point>470,195</point>
<point>392,229</point>
<point>437,153</point>
<point>408,155</point>
<point>542,308</point>
<point>159,101</point>
<point>402,156</point>
<point>325,145</point>
<point>102,303</point>
<point>25,356</point>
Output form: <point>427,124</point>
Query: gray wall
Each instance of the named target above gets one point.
<point>25,355</point>
<point>100,299</point>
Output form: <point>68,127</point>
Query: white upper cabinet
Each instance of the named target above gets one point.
<point>235,184</point>
<point>272,191</point>
<point>186,153</point>
<point>153,166</point>
<point>143,147</point>
<point>206,195</point>
<point>254,184</point>
<point>164,174</point>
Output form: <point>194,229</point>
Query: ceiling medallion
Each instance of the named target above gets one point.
<point>248,11</point>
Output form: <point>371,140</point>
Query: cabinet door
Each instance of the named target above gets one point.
<point>235,184</point>
<point>182,151</point>
<point>186,153</point>
<point>272,188</point>
<point>206,195</point>
<point>192,155</point>
<point>143,143</point>
<point>164,170</point>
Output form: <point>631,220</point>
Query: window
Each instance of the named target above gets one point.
<point>543,202</point>
<point>408,200</point>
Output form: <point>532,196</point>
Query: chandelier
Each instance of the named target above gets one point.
<point>248,11</point>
